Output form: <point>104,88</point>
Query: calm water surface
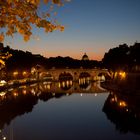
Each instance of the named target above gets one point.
<point>36,113</point>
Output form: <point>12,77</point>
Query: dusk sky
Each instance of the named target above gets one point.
<point>91,26</point>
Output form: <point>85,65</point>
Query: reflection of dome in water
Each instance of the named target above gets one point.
<point>85,57</point>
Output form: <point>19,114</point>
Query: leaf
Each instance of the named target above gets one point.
<point>62,28</point>
<point>26,38</point>
<point>1,37</point>
<point>56,1</point>
<point>20,15</point>
<point>2,62</point>
<point>46,1</point>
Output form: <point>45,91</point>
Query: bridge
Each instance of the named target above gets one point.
<point>75,74</point>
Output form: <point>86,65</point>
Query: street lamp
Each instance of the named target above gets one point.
<point>15,74</point>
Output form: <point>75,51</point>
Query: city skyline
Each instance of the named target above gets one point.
<point>90,26</point>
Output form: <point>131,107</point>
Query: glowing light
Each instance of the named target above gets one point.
<point>81,94</point>
<point>116,99</point>
<point>15,73</point>
<point>33,91</point>
<point>48,87</point>
<point>2,62</point>
<point>122,74</point>
<point>122,104</point>
<point>2,82</point>
<point>24,73</point>
<point>95,94</point>
<point>112,99</point>
<point>24,91</point>
<point>38,94</point>
<point>10,89</point>
<point>59,85</point>
<point>4,138</point>
<point>79,81</point>
<point>63,84</point>
<point>2,93</point>
<point>71,82</point>
<point>115,75</point>
<point>67,94</point>
<point>15,94</point>
<point>67,83</point>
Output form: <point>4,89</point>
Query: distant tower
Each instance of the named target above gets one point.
<point>85,57</point>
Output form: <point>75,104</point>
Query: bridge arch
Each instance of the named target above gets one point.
<point>64,76</point>
<point>65,80</point>
<point>84,80</point>
<point>85,86</point>
<point>84,74</point>
<point>103,76</point>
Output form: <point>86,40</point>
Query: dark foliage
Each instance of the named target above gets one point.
<point>123,57</point>
<point>21,60</point>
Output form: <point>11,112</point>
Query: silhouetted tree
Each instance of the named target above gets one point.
<point>122,57</point>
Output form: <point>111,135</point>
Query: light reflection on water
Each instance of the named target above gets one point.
<point>66,110</point>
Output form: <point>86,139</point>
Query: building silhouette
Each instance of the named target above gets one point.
<point>85,57</point>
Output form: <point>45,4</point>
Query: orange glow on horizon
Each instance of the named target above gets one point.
<point>75,56</point>
<point>58,50</point>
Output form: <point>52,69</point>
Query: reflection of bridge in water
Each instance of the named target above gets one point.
<point>17,101</point>
<point>66,86</point>
<point>71,87</point>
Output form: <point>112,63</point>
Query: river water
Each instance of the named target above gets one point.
<point>68,111</point>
